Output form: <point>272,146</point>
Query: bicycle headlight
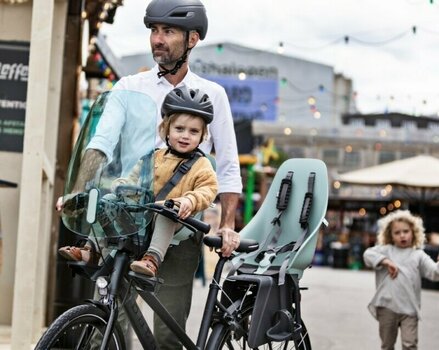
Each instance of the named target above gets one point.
<point>102,285</point>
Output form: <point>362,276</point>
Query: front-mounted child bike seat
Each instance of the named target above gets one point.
<point>288,221</point>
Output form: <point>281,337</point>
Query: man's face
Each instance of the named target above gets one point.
<point>167,44</point>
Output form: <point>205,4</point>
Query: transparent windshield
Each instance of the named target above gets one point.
<point>110,174</point>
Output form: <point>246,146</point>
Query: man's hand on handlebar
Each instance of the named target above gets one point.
<point>71,204</point>
<point>59,204</point>
<point>230,240</point>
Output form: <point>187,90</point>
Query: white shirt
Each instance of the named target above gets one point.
<point>402,294</point>
<point>221,130</point>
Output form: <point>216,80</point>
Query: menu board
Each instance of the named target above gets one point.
<point>14,72</point>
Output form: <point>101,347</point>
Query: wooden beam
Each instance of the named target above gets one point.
<point>32,180</point>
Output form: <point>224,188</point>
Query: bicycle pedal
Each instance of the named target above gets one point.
<point>143,282</point>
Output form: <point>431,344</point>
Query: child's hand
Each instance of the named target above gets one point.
<point>392,269</point>
<point>185,207</point>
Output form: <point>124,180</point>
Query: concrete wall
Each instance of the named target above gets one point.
<point>15,24</point>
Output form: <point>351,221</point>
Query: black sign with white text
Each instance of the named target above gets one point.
<point>14,72</point>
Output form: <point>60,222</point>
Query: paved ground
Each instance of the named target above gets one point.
<point>334,310</point>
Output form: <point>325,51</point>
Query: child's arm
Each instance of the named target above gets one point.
<point>428,267</point>
<point>131,179</point>
<point>204,188</point>
<point>392,269</point>
<point>376,258</point>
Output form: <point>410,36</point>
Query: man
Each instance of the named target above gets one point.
<point>176,27</point>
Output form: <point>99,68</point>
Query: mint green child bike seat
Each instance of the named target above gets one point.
<point>277,238</point>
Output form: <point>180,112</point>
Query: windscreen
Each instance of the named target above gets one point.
<point>110,174</point>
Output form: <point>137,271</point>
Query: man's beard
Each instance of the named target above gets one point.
<point>165,58</point>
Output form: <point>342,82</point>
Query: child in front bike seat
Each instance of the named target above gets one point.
<point>185,114</point>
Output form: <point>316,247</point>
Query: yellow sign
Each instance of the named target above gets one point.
<point>269,152</point>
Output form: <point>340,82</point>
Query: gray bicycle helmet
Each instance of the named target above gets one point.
<point>184,100</point>
<point>185,14</point>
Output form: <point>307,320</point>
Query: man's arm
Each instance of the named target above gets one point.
<point>229,203</point>
<point>93,159</point>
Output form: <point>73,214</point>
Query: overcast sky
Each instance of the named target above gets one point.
<point>391,68</point>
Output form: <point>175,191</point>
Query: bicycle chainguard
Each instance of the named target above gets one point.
<point>284,328</point>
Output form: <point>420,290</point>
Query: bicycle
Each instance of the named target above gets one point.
<point>257,305</point>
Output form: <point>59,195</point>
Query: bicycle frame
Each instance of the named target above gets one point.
<point>272,301</point>
<point>275,308</point>
<point>150,298</point>
<point>121,287</point>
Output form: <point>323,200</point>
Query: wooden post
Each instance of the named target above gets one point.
<point>36,180</point>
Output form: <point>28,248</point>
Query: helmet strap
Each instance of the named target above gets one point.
<point>164,71</point>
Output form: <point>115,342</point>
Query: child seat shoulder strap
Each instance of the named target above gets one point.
<point>182,170</point>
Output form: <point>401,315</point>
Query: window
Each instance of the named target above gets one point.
<point>405,155</point>
<point>385,157</point>
<point>330,157</point>
<point>351,159</point>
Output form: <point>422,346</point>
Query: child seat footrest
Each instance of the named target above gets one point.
<point>284,328</point>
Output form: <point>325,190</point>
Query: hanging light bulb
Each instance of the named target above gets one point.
<point>280,48</point>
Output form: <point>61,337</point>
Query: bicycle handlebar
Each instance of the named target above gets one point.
<point>171,213</point>
<point>168,211</point>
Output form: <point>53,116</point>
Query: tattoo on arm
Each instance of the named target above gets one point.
<point>92,161</point>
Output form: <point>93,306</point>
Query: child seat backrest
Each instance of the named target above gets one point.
<point>261,228</point>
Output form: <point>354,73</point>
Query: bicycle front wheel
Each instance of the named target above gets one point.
<point>81,327</point>
<point>224,337</point>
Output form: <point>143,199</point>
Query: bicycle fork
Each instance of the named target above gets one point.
<point>121,261</point>
<point>210,304</point>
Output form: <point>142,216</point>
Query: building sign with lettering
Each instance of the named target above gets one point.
<point>14,70</point>
<point>250,98</point>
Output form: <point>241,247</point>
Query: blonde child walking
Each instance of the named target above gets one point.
<point>399,263</point>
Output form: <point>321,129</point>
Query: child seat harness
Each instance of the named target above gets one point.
<point>265,257</point>
<point>182,169</point>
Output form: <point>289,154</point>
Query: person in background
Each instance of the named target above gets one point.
<point>399,263</point>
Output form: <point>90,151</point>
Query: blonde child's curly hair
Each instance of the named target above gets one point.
<point>415,223</point>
